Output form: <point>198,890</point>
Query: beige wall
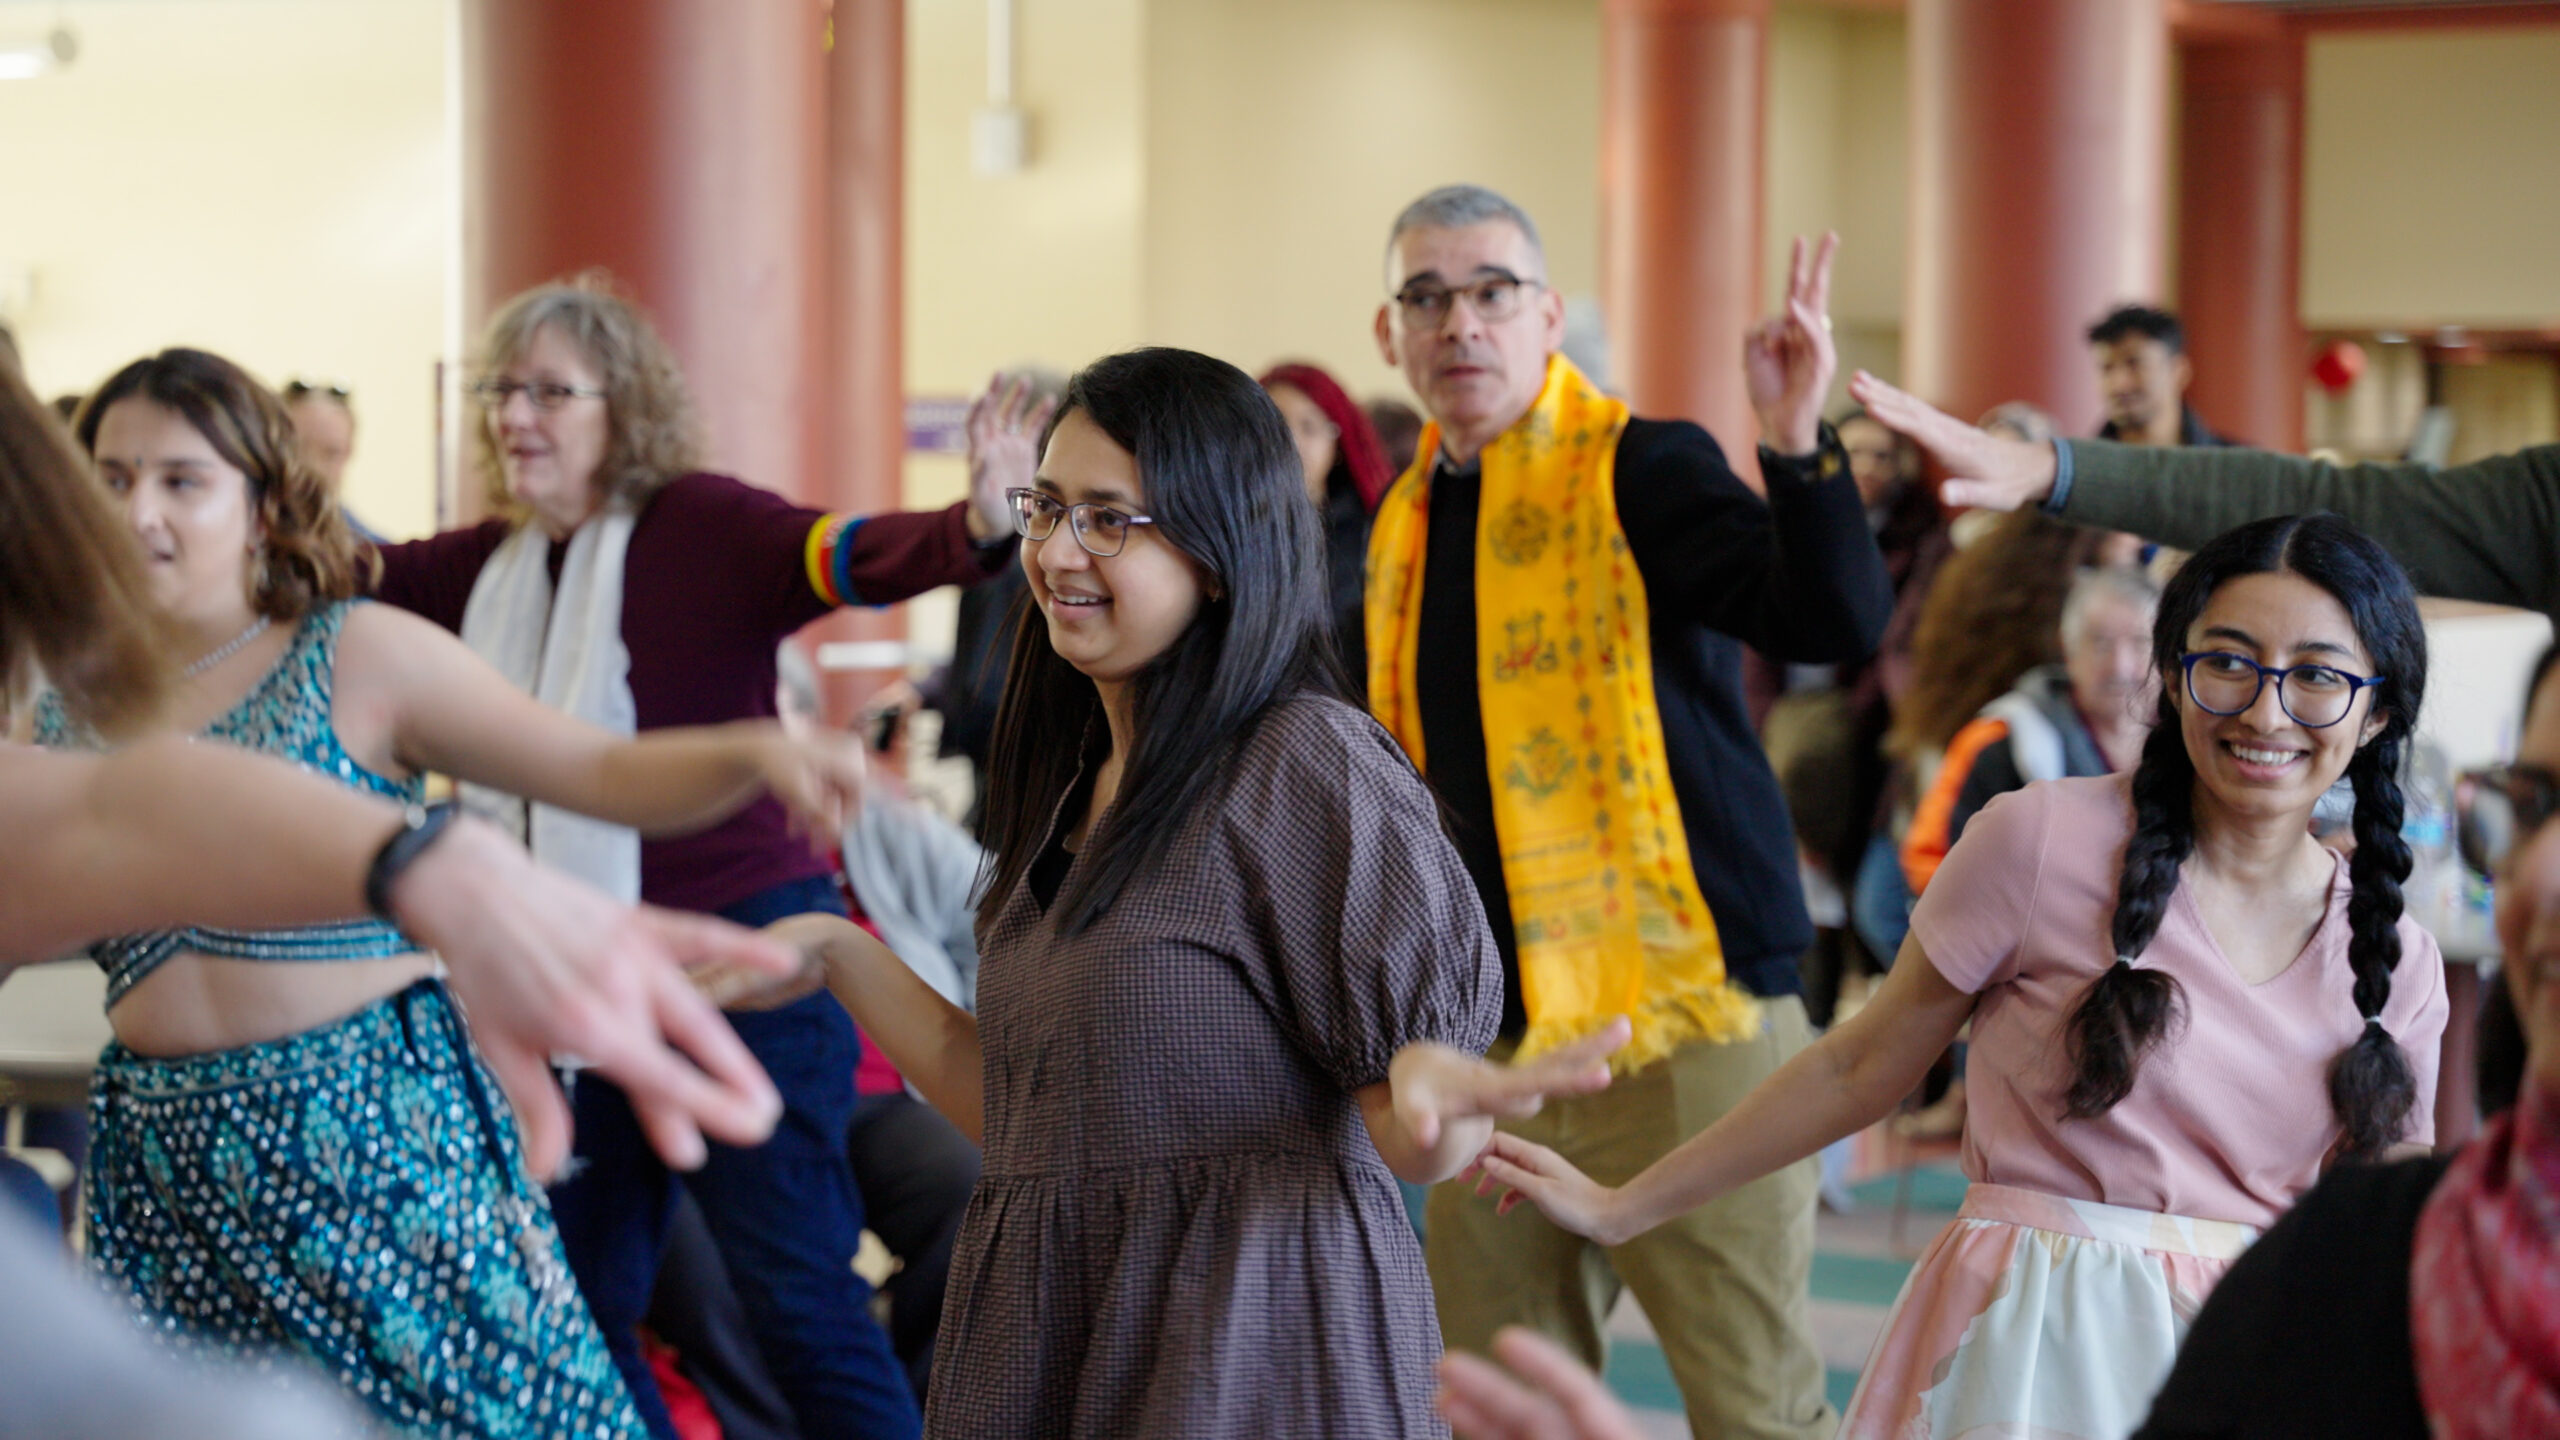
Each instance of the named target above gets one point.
<point>2431,185</point>
<point>272,178</point>
<point>264,178</point>
<point>1283,139</point>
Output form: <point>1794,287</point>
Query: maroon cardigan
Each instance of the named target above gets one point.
<point>718,573</point>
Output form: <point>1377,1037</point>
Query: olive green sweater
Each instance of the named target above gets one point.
<point>2489,530</point>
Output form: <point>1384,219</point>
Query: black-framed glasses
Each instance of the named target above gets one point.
<point>2316,696</point>
<point>1101,530</point>
<point>1495,298</point>
<point>299,389</point>
<point>494,393</point>
<point>2499,809</point>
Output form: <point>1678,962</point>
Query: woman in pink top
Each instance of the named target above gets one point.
<point>2183,1008</point>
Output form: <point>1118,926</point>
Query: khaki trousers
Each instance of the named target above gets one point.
<point>1726,1285</point>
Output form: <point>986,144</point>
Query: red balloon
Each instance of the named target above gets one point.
<point>2338,365</point>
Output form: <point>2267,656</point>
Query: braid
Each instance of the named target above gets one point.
<point>2370,1084</point>
<point>2128,1011</point>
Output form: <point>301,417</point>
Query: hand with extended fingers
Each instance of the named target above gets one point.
<point>1003,430</point>
<point>546,966</point>
<point>1437,1108</point>
<point>1524,1170</point>
<point>1555,1396</point>
<point>1987,471</point>
<point>819,777</point>
<point>1788,360</point>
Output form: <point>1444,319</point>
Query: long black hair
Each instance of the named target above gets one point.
<point>2129,1010</point>
<point>1222,480</point>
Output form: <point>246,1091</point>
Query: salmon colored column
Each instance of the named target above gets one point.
<point>866,254</point>
<point>1681,122</point>
<point>2240,233</point>
<point>680,144</point>
<point>2037,140</point>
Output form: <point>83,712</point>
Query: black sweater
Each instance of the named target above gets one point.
<point>2308,1336</point>
<point>1796,576</point>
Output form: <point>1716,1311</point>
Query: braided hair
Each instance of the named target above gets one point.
<point>2130,1010</point>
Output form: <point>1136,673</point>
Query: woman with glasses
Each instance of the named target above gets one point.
<point>2432,1286</point>
<point>1233,977</point>
<point>626,585</point>
<point>2184,1009</point>
<point>296,1148</point>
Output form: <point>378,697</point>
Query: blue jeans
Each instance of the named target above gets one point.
<point>24,1191</point>
<point>785,1215</point>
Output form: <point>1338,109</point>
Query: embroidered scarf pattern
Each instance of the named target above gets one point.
<point>2484,1287</point>
<point>1603,895</point>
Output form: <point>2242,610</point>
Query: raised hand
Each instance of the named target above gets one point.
<point>1987,471</point>
<point>1788,359</point>
<point>1560,1400</point>
<point>1004,451</point>
<point>1566,1196</point>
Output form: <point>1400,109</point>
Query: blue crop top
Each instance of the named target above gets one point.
<point>286,715</point>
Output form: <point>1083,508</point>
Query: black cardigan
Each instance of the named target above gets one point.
<point>1796,576</point>
<point>2308,1336</point>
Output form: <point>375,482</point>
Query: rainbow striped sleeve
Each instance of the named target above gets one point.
<point>829,555</point>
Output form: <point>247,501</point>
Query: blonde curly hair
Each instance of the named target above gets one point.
<point>651,436</point>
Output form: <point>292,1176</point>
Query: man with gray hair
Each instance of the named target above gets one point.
<point>1557,599</point>
<point>2087,715</point>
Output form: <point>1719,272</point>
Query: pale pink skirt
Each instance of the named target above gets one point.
<point>2033,1317</point>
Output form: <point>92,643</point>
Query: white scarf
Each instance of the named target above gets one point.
<point>567,651</point>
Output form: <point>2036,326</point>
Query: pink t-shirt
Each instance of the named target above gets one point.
<point>2230,1120</point>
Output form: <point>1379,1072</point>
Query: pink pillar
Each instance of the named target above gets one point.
<point>2038,132</point>
<point>1681,128</point>
<point>2240,233</point>
<point>679,144</point>
<point>866,176</point>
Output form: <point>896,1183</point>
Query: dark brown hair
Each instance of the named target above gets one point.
<point>650,437</point>
<point>310,556</point>
<point>2130,1009</point>
<point>72,596</point>
<point>1221,478</point>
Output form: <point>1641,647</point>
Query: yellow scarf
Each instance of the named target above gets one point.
<point>1603,899</point>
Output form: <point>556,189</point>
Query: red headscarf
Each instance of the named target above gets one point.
<point>2484,1289</point>
<point>1359,446</point>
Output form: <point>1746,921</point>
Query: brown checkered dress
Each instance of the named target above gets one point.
<point>1182,1229</point>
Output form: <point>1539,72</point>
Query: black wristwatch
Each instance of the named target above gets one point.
<point>418,830</point>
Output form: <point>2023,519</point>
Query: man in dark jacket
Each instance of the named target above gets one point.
<point>1525,459</point>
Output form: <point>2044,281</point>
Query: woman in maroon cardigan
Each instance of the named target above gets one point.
<point>628,586</point>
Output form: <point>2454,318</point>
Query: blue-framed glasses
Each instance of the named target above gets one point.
<point>2316,696</point>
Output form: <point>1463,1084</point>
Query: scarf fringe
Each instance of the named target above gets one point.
<point>1720,1014</point>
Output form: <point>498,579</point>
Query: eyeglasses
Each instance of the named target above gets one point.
<point>2500,808</point>
<point>304,389</point>
<point>2316,696</point>
<point>1101,530</point>
<point>1495,298</point>
<point>493,393</point>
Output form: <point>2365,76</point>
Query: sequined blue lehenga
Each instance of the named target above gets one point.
<point>353,1197</point>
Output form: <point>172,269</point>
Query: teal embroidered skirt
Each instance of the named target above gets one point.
<point>353,1199</point>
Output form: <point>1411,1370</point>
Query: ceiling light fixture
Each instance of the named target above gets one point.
<point>27,59</point>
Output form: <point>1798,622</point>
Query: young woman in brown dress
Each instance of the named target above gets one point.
<point>1234,977</point>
